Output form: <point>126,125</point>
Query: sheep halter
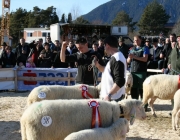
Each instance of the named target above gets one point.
<point>85,93</point>
<point>96,120</point>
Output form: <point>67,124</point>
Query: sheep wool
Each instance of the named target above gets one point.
<point>61,92</point>
<point>55,119</point>
<point>176,110</point>
<point>128,84</point>
<point>117,131</point>
<point>160,86</point>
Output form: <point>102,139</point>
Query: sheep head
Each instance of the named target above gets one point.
<point>132,109</point>
<point>129,80</point>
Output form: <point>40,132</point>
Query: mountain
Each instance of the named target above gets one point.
<point>134,8</point>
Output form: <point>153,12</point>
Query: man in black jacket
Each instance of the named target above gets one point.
<point>84,58</point>
<point>155,56</point>
<point>123,47</point>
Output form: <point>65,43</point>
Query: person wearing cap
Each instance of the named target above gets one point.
<point>113,76</point>
<point>138,57</point>
<point>123,47</point>
<point>156,60</point>
<point>84,58</point>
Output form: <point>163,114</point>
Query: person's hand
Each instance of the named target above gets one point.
<point>106,98</point>
<point>169,66</point>
<point>64,45</point>
<point>162,70</point>
<point>131,56</point>
<point>161,55</point>
<point>173,44</point>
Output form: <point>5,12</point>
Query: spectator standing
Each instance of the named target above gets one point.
<point>165,53</point>
<point>8,58</point>
<point>156,60</point>
<point>174,58</point>
<point>101,47</point>
<point>84,58</point>
<point>71,49</point>
<point>22,51</point>
<point>45,57</point>
<point>123,47</point>
<point>138,58</point>
<point>51,44</point>
<point>56,61</point>
<point>113,76</point>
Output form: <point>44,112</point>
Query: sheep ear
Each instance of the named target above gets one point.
<point>132,115</point>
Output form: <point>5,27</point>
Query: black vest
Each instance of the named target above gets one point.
<point>136,65</point>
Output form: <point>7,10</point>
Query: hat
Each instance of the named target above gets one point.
<point>121,39</point>
<point>155,40</point>
<point>81,40</point>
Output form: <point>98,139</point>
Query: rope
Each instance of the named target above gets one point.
<point>175,71</point>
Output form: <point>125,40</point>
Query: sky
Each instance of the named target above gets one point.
<point>62,6</point>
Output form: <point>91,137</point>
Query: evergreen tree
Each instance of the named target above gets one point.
<point>63,19</point>
<point>18,21</point>
<point>153,19</point>
<point>81,20</point>
<point>123,19</point>
<point>69,20</point>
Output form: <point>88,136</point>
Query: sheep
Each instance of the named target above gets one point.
<point>117,131</point>
<point>61,92</point>
<point>176,110</point>
<point>55,119</point>
<point>160,86</point>
<point>128,84</point>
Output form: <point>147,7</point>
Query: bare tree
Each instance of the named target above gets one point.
<point>75,11</point>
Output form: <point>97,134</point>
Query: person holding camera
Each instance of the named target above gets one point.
<point>84,58</point>
<point>45,57</point>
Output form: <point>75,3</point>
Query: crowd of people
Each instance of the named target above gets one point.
<point>110,56</point>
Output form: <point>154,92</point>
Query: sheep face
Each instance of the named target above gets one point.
<point>138,112</point>
<point>129,80</point>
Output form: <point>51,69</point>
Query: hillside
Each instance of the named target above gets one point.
<point>134,8</point>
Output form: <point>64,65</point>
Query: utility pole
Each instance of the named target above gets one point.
<point>5,21</point>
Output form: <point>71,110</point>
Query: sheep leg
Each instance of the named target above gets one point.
<point>151,102</point>
<point>177,119</point>
<point>174,112</point>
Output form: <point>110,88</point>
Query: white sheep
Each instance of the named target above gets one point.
<point>129,83</point>
<point>160,86</point>
<point>61,92</point>
<point>55,119</point>
<point>176,110</point>
<point>117,131</point>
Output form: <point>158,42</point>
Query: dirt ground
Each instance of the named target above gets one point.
<point>13,104</point>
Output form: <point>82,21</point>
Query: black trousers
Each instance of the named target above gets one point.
<point>136,92</point>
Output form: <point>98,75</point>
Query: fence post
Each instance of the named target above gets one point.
<point>69,78</point>
<point>15,79</point>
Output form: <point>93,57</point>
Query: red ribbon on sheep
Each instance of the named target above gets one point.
<point>96,119</point>
<point>85,93</point>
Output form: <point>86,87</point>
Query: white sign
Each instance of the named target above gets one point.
<point>42,95</point>
<point>46,121</point>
